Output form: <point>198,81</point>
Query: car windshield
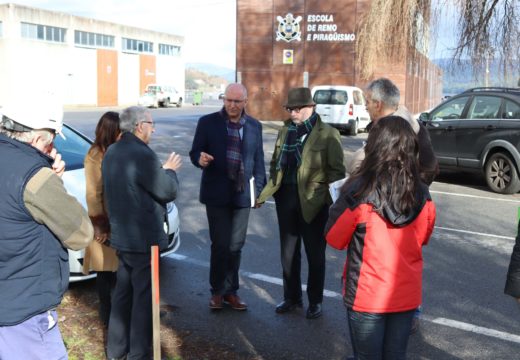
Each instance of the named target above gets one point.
<point>152,89</point>
<point>450,110</point>
<point>73,148</point>
<point>330,97</point>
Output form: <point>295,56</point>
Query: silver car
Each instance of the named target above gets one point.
<point>73,150</point>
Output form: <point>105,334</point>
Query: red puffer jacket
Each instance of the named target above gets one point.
<point>383,270</point>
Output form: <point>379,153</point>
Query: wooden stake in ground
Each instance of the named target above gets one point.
<point>156,304</point>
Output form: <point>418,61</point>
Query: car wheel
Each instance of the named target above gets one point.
<point>354,128</point>
<point>179,102</point>
<point>501,174</point>
<point>166,102</point>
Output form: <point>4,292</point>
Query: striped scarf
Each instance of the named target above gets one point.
<point>235,164</point>
<point>291,156</point>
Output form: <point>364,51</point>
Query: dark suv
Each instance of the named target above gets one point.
<point>479,131</point>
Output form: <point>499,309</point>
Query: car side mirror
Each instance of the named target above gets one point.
<point>424,117</point>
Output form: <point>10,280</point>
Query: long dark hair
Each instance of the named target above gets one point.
<point>107,131</point>
<point>391,165</point>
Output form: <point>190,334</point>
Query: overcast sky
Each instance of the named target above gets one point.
<point>208,26</point>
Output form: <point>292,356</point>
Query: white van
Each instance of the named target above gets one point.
<point>160,95</point>
<point>343,107</point>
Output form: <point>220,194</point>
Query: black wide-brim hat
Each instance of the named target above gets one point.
<point>299,97</point>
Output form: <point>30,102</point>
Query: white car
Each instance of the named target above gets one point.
<point>160,95</point>
<point>73,150</point>
<point>342,107</point>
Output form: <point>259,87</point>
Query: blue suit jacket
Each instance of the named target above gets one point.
<point>216,188</point>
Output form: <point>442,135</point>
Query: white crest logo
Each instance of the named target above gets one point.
<point>289,28</point>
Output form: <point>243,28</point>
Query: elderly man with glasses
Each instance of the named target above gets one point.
<point>307,157</point>
<point>137,188</point>
<point>228,147</point>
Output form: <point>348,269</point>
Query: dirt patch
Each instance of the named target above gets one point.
<point>85,336</point>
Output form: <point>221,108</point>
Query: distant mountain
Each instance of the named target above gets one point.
<point>459,77</point>
<point>215,70</point>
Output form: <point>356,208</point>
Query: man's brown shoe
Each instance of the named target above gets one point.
<point>235,302</point>
<point>216,302</point>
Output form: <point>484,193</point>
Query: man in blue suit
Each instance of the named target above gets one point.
<point>228,147</point>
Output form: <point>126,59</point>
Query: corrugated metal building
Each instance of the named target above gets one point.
<point>283,44</point>
<point>83,61</point>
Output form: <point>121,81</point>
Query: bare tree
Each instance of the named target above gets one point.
<point>487,28</point>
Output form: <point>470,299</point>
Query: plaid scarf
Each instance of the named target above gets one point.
<point>235,164</point>
<point>291,156</point>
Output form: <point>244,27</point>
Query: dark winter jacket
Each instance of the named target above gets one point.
<point>137,189</point>
<point>216,188</point>
<point>37,220</point>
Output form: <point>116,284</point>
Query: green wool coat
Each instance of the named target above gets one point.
<point>322,164</point>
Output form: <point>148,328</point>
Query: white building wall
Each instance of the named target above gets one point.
<point>81,83</point>
<point>170,71</point>
<point>33,68</point>
<point>68,70</point>
<point>128,79</point>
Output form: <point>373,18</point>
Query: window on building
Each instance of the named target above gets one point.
<point>171,50</point>
<point>43,32</point>
<point>84,38</point>
<point>137,45</point>
<point>1,30</point>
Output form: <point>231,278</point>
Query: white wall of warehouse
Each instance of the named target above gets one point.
<point>69,71</point>
<point>128,79</point>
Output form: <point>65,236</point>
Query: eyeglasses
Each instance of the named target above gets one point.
<point>296,109</point>
<point>149,122</point>
<point>236,102</point>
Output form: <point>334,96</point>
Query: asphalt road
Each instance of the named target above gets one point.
<point>465,315</point>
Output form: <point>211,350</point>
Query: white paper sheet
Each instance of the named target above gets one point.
<point>335,187</point>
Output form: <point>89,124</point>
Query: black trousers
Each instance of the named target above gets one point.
<point>294,229</point>
<point>227,230</point>
<point>130,326</point>
<point>105,282</point>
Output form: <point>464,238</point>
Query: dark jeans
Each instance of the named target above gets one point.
<point>379,336</point>
<point>130,326</point>
<point>105,282</point>
<point>227,230</point>
<point>294,229</point>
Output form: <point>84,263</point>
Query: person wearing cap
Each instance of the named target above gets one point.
<point>228,147</point>
<point>137,188</point>
<point>307,157</point>
<point>39,221</point>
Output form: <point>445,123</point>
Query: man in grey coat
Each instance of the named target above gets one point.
<point>137,188</point>
<point>382,99</point>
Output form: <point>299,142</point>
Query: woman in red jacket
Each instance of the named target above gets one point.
<point>383,217</point>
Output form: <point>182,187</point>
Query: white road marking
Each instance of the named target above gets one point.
<point>457,230</point>
<point>474,233</point>
<point>474,196</point>
<point>332,294</point>
<point>473,328</point>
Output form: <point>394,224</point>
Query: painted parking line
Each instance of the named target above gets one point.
<point>335,295</point>
<point>474,196</point>
<point>473,328</point>
<point>474,233</point>
<point>458,230</point>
